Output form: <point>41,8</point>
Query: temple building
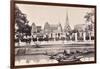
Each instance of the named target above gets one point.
<point>53,30</point>
<point>56,30</point>
<point>67,26</point>
<point>33,30</point>
<point>47,28</point>
<point>80,32</point>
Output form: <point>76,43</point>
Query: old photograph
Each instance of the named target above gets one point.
<point>47,34</point>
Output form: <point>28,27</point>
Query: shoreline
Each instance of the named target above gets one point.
<point>50,43</point>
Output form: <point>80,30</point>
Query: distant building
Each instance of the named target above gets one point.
<point>59,28</point>
<point>56,30</point>
<point>53,30</point>
<point>38,29</point>
<point>80,27</point>
<point>85,31</point>
<point>47,28</point>
<point>34,28</point>
<point>67,26</point>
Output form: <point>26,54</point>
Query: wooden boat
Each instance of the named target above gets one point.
<point>70,59</point>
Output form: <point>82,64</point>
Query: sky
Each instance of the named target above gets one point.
<point>40,14</point>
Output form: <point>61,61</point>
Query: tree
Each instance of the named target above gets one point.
<point>89,19</point>
<point>89,24</point>
<point>88,16</point>
<point>21,23</point>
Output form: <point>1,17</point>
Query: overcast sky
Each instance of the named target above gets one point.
<point>40,14</point>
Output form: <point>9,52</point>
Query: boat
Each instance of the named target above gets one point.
<point>69,59</point>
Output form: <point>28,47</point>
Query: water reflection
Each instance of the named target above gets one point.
<point>44,59</point>
<point>44,54</point>
<point>34,59</point>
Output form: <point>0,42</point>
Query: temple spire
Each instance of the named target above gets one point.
<point>67,26</point>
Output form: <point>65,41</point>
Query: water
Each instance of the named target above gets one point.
<point>34,59</point>
<point>42,59</point>
<point>42,55</point>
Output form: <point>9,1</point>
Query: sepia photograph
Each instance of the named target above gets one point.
<point>47,33</point>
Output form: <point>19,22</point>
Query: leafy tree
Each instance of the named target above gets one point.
<point>22,22</point>
<point>88,18</point>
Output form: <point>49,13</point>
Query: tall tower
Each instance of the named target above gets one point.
<point>67,26</point>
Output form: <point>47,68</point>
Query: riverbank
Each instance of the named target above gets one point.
<point>50,43</point>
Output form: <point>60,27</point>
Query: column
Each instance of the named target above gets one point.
<point>84,36</point>
<point>54,36</point>
<point>90,35</point>
<point>75,36</point>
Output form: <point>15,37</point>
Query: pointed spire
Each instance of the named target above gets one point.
<point>67,27</point>
<point>67,20</point>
